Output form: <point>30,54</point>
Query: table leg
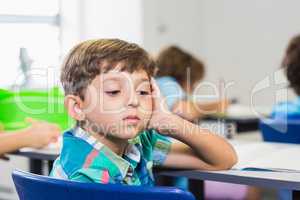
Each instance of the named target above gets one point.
<point>196,187</point>
<point>164,180</point>
<point>36,166</point>
<point>50,165</point>
<point>295,195</point>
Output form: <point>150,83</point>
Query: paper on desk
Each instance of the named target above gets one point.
<point>272,156</point>
<point>56,145</point>
<point>245,112</point>
<point>52,148</point>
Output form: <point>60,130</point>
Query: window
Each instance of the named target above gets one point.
<point>30,27</point>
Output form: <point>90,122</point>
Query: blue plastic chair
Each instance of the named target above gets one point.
<point>36,187</point>
<point>276,130</point>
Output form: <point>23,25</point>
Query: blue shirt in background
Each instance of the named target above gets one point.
<point>171,90</point>
<point>287,110</point>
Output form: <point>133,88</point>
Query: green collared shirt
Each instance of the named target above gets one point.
<point>85,159</point>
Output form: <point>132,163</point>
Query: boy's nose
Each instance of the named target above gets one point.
<point>133,100</point>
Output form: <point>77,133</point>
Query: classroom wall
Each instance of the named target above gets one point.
<point>90,19</point>
<point>244,41</point>
<point>71,24</point>
<point>240,41</point>
<point>112,18</point>
<point>172,22</point>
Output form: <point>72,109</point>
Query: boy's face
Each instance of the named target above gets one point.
<point>119,104</point>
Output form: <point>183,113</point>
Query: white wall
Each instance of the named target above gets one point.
<point>92,19</point>
<point>172,22</point>
<point>239,40</point>
<point>71,23</point>
<point>244,41</point>
<point>113,18</point>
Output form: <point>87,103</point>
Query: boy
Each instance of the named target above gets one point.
<point>122,120</point>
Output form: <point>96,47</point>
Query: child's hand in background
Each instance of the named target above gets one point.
<point>40,133</point>
<point>222,105</point>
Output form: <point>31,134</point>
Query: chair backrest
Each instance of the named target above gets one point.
<point>286,131</point>
<point>36,187</point>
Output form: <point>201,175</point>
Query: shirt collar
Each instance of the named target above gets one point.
<point>126,165</point>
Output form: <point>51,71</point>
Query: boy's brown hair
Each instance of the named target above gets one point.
<point>90,58</point>
<point>291,63</point>
<point>174,61</point>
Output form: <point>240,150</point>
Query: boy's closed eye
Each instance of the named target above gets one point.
<point>144,92</point>
<point>144,89</point>
<point>113,92</point>
<point>112,87</point>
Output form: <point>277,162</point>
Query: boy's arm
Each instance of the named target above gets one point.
<point>194,110</point>
<point>197,148</point>
<point>202,149</point>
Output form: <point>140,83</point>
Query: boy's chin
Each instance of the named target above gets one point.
<point>129,134</point>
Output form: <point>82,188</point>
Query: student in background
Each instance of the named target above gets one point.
<point>290,109</point>
<point>178,74</point>
<point>291,65</point>
<point>38,135</point>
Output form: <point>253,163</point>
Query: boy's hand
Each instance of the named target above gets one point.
<point>40,133</point>
<point>161,118</point>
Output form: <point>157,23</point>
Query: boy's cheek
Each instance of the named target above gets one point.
<point>146,106</point>
<point>110,107</point>
<point>146,112</point>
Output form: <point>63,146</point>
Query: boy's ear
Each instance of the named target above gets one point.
<point>73,105</point>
